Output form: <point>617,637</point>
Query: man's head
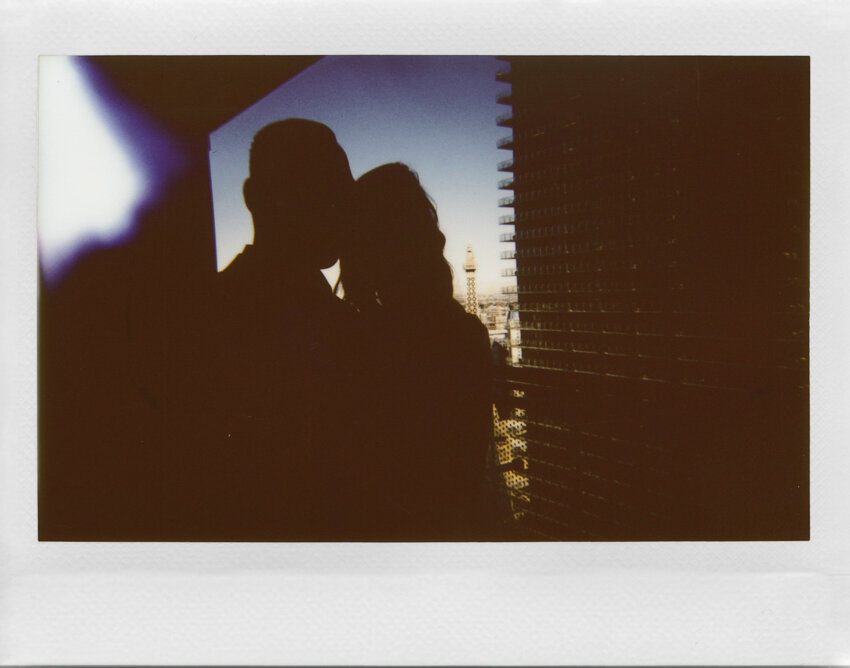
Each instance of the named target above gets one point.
<point>299,191</point>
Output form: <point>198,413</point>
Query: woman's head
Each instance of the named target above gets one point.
<point>395,253</point>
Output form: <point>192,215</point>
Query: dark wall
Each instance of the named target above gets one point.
<point>661,212</point>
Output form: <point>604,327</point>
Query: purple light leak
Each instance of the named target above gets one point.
<point>101,161</point>
<point>154,148</point>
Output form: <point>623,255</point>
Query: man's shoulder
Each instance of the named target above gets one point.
<point>239,268</point>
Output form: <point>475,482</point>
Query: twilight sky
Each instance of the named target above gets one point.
<point>435,113</point>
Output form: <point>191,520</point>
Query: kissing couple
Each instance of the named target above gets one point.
<point>358,412</point>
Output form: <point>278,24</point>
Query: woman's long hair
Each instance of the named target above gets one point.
<point>395,254</point>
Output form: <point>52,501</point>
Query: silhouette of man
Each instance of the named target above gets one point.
<point>281,342</point>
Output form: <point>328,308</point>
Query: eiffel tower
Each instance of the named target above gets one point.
<point>470,265</point>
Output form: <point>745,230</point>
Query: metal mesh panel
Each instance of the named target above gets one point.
<point>660,249</point>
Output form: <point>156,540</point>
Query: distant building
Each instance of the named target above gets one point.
<point>660,231</point>
<point>514,336</point>
<point>471,266</point>
<point>494,315</point>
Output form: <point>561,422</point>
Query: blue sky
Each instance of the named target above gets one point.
<point>435,113</point>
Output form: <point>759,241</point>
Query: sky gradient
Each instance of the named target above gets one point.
<point>435,113</point>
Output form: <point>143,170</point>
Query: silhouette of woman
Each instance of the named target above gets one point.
<point>429,366</point>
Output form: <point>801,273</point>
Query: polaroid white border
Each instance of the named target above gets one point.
<point>525,603</point>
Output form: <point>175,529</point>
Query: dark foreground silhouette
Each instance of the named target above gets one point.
<point>206,409</point>
<point>255,404</point>
<point>276,350</point>
<point>430,370</point>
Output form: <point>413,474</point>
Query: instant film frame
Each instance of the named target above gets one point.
<point>716,596</point>
<point>652,288</point>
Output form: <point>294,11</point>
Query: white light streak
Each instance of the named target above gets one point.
<point>88,184</point>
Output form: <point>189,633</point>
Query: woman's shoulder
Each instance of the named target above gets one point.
<point>475,327</point>
<point>469,321</point>
<point>446,322</point>
<point>467,329</point>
